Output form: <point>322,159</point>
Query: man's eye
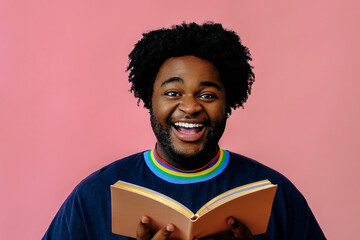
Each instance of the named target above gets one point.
<point>172,94</point>
<point>207,96</point>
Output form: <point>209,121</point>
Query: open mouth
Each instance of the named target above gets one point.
<point>189,132</point>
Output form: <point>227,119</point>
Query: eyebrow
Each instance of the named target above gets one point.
<point>173,79</point>
<point>210,84</point>
<point>202,84</point>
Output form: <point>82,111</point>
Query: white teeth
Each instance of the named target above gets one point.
<point>188,125</point>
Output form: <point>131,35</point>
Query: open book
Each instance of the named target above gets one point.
<point>250,204</point>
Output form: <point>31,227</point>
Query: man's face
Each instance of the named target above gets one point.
<point>188,113</point>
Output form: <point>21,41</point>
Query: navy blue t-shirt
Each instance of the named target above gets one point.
<point>86,213</point>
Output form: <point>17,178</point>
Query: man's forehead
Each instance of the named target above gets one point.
<point>184,68</point>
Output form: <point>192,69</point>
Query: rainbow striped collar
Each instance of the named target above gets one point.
<point>173,175</point>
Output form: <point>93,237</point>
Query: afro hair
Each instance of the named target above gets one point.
<point>209,41</point>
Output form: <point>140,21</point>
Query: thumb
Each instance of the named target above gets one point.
<point>164,232</point>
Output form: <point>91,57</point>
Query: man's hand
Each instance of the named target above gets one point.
<point>237,231</point>
<point>143,230</point>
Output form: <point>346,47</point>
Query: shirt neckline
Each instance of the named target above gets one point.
<point>171,174</point>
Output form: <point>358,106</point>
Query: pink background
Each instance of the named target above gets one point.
<point>65,109</point>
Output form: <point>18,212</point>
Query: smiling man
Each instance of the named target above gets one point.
<point>188,113</point>
<point>189,77</point>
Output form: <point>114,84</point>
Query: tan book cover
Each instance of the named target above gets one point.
<point>251,204</point>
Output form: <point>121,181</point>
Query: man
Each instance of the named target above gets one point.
<point>189,77</point>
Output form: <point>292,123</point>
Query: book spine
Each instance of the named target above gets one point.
<point>190,230</point>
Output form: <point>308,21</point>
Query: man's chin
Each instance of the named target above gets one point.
<point>189,150</point>
<point>191,159</point>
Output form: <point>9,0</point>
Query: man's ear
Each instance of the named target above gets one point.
<point>227,111</point>
<point>149,109</point>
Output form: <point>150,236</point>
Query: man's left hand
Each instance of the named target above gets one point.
<point>237,231</point>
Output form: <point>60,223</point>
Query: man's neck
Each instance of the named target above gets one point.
<point>186,162</point>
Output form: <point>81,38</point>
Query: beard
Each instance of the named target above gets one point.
<point>182,160</point>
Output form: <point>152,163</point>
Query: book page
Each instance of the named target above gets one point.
<point>253,210</point>
<point>128,206</point>
<point>155,195</point>
<point>233,193</point>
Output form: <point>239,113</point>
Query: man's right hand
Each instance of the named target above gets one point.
<point>236,231</point>
<point>143,230</point>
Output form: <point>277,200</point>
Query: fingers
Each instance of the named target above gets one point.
<point>164,232</point>
<point>143,230</point>
<point>239,230</point>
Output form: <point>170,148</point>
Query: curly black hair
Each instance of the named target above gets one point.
<point>209,41</point>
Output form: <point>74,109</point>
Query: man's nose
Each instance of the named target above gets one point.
<point>190,105</point>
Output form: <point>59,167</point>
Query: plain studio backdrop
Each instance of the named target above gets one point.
<point>66,110</point>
